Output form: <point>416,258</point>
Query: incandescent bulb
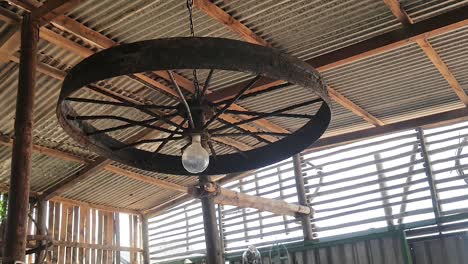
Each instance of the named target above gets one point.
<point>195,158</point>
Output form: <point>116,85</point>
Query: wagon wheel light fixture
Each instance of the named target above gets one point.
<point>195,124</point>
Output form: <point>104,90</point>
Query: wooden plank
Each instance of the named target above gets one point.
<point>130,235</point>
<point>100,230</point>
<point>81,234</point>
<point>63,233</point>
<point>105,235</point>
<point>75,232</point>
<point>437,61</point>
<point>57,213</point>
<point>357,110</point>
<point>134,259</point>
<point>87,234</point>
<point>398,11</point>
<point>110,236</point>
<point>93,235</point>
<point>117,236</point>
<point>69,235</point>
<point>231,23</point>
<point>50,228</point>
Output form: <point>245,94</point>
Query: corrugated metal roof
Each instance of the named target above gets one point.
<point>453,49</point>
<point>423,9</point>
<point>310,28</point>
<point>396,85</point>
<point>393,86</point>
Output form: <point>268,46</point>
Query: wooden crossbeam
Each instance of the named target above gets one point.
<point>400,14</point>
<point>432,54</point>
<point>439,119</point>
<point>53,8</point>
<point>231,23</point>
<point>398,11</point>
<point>395,39</point>
<point>44,13</point>
<point>357,110</point>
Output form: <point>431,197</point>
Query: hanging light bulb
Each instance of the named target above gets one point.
<point>195,158</point>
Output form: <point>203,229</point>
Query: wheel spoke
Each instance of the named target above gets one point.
<point>123,119</point>
<point>144,141</point>
<point>254,113</point>
<point>232,101</point>
<point>213,151</point>
<point>231,147</point>
<point>206,85</point>
<point>245,131</point>
<point>271,89</point>
<point>171,136</point>
<point>265,115</point>
<point>143,110</point>
<point>111,129</point>
<point>182,98</point>
<point>253,133</point>
<point>103,102</point>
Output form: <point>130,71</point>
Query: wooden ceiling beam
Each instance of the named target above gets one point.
<point>52,9</point>
<point>395,39</point>
<point>44,13</point>
<point>402,16</point>
<point>357,110</point>
<point>437,61</point>
<point>231,23</point>
<point>398,11</point>
<point>430,121</point>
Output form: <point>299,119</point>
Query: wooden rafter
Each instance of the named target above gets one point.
<point>53,8</point>
<point>395,39</point>
<point>45,13</point>
<point>432,54</point>
<point>402,16</point>
<point>398,11</point>
<point>357,110</point>
<point>231,23</point>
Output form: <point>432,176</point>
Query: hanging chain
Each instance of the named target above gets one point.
<point>192,34</point>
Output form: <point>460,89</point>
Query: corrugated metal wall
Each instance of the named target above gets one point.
<point>449,250</point>
<point>383,250</point>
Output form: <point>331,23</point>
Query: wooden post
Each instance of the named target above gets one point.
<point>144,231</point>
<point>18,198</point>
<point>213,245</point>
<point>301,197</point>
